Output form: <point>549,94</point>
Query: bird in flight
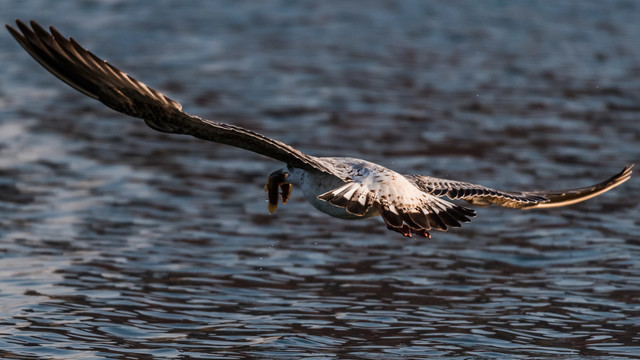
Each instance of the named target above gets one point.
<point>342,187</point>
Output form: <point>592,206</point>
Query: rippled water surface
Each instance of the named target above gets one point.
<point>120,242</point>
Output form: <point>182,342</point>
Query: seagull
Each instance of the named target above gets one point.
<point>341,187</point>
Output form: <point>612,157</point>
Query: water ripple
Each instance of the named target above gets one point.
<point>121,242</point>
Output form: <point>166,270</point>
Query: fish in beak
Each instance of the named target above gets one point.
<point>277,180</point>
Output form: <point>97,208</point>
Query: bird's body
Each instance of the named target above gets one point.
<point>372,177</point>
<point>313,185</point>
<point>342,187</point>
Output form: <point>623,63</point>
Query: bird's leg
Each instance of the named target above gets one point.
<point>422,232</point>
<point>404,230</point>
<point>277,180</point>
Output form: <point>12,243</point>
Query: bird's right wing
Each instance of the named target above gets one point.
<point>483,196</point>
<point>96,78</point>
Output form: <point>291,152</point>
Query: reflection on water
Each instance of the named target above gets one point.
<point>120,242</point>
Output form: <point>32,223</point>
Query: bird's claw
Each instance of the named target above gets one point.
<point>277,180</point>
<point>408,232</point>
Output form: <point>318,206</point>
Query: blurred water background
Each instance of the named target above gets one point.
<point>120,242</point>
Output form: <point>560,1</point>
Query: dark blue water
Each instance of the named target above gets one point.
<point>120,242</point>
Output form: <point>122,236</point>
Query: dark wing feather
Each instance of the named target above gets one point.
<point>96,78</point>
<point>567,197</point>
<point>481,195</point>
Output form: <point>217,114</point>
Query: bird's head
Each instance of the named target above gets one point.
<point>277,180</point>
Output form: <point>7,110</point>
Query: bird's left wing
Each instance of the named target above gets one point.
<point>483,196</point>
<point>96,78</point>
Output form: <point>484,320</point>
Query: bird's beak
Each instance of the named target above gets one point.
<point>277,180</point>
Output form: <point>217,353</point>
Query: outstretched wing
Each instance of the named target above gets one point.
<point>483,196</point>
<point>96,78</point>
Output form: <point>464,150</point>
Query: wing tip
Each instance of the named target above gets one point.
<point>571,197</point>
<point>619,178</point>
<point>627,171</point>
<point>17,33</point>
